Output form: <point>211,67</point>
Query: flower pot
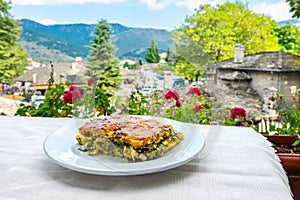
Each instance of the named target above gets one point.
<point>282,139</point>
<point>291,164</point>
<point>290,161</point>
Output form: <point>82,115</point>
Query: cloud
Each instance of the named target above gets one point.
<point>157,5</point>
<point>46,21</point>
<point>190,4</point>
<point>193,4</point>
<point>59,2</point>
<point>278,11</point>
<point>50,21</point>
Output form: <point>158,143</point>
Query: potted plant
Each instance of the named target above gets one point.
<point>286,137</point>
<point>286,140</point>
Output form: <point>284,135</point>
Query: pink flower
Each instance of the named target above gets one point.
<point>235,112</point>
<point>91,81</point>
<point>194,91</point>
<point>72,95</point>
<point>76,95</point>
<point>173,94</point>
<point>198,107</point>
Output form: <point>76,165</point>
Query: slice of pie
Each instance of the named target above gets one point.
<point>130,137</point>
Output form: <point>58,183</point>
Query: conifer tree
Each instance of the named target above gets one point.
<point>13,58</point>
<point>152,55</point>
<point>126,65</point>
<point>103,65</point>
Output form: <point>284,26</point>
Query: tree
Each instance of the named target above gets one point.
<point>13,58</point>
<point>295,7</point>
<point>191,58</point>
<point>288,38</point>
<point>152,55</point>
<point>126,65</point>
<point>140,62</point>
<point>102,65</point>
<point>218,29</point>
<point>171,55</point>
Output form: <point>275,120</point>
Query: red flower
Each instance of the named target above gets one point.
<point>67,98</point>
<point>72,95</point>
<point>272,98</point>
<point>91,82</point>
<point>194,91</point>
<point>294,98</point>
<point>198,107</point>
<point>280,97</point>
<point>173,94</point>
<point>235,112</point>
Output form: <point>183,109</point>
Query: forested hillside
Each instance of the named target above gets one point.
<point>64,42</point>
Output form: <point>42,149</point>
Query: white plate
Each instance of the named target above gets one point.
<point>61,146</point>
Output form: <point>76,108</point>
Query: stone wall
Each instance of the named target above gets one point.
<point>235,93</point>
<point>262,80</point>
<point>282,81</point>
<point>286,80</point>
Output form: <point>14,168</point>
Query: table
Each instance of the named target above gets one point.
<point>242,165</point>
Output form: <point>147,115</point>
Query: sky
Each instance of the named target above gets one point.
<point>163,14</point>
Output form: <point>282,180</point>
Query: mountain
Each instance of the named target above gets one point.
<point>134,42</point>
<point>65,42</point>
<point>295,22</point>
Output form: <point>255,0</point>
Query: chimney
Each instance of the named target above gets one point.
<point>238,53</point>
<point>34,78</point>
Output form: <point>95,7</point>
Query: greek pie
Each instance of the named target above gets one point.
<point>133,138</point>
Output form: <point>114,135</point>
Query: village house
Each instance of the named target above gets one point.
<point>38,77</point>
<point>259,75</point>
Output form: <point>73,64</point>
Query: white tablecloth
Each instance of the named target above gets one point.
<point>242,165</point>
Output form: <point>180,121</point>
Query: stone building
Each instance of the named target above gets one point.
<point>264,70</point>
<point>261,75</point>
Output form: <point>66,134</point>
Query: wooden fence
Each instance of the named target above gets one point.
<point>265,124</point>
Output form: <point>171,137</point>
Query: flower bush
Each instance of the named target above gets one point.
<point>137,104</point>
<point>191,107</point>
<point>91,101</point>
<point>237,117</point>
<point>53,105</point>
<point>289,116</point>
